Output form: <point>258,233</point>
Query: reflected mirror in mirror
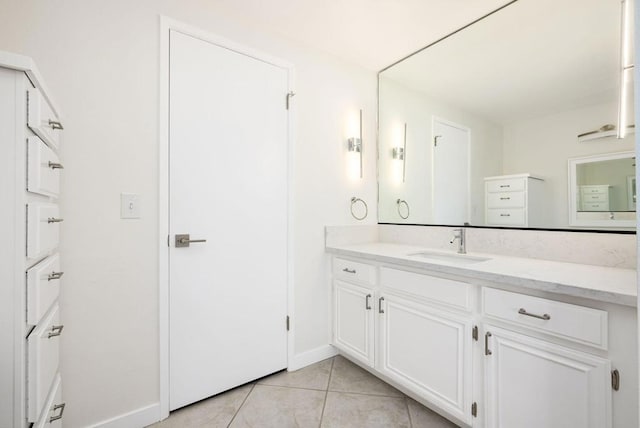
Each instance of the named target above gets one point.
<point>602,189</point>
<point>478,127</point>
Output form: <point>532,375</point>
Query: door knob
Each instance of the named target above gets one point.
<point>184,240</point>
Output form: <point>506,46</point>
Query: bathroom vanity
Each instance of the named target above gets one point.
<point>488,340</point>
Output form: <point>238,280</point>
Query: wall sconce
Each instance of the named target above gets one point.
<point>399,153</point>
<point>354,144</point>
<point>626,66</point>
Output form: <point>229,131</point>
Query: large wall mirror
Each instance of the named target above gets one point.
<point>479,127</point>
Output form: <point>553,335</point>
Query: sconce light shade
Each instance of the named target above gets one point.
<point>354,145</point>
<point>398,153</point>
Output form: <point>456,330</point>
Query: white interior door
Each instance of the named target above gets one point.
<point>450,173</point>
<point>228,185</point>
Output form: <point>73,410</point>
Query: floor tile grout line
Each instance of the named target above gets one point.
<point>326,392</point>
<point>406,402</point>
<point>240,407</point>
<point>368,395</point>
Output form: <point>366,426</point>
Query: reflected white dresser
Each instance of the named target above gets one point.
<point>514,200</point>
<point>595,197</point>
<point>31,274</point>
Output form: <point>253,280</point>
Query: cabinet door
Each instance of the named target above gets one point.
<point>533,383</point>
<point>353,331</point>
<point>427,351</point>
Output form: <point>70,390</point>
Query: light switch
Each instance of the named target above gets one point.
<point>129,205</point>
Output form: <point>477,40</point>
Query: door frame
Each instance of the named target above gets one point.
<point>167,25</point>
<point>447,122</point>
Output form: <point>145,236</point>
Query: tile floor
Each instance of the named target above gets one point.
<point>330,394</point>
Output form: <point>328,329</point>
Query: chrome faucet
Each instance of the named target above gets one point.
<point>459,234</point>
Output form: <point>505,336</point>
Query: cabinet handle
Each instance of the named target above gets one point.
<point>502,186</point>
<point>380,310</point>
<point>56,330</point>
<point>54,124</point>
<point>523,311</point>
<point>505,215</point>
<point>347,270</point>
<point>55,275</point>
<point>59,415</point>
<point>54,165</point>
<point>54,220</point>
<point>487,351</point>
<point>367,304</point>
<point>504,199</point>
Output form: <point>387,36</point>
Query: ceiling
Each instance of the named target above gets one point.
<point>370,33</point>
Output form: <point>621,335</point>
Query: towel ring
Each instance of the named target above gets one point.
<point>366,208</point>
<point>400,202</point>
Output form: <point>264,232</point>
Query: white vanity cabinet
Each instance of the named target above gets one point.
<point>514,200</point>
<point>31,278</point>
<point>414,330</point>
<point>483,355</point>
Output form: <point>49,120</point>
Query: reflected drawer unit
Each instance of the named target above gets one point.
<point>595,197</point>
<point>514,200</point>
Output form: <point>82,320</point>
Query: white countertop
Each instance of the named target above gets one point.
<point>607,284</point>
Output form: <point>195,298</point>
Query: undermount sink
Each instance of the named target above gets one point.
<point>463,259</point>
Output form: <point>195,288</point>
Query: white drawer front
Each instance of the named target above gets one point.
<point>354,271</point>
<point>439,290</point>
<point>43,229</point>
<point>53,412</point>
<point>43,176</point>
<point>595,197</point>
<point>43,287</point>
<point>506,216</point>
<point>595,206</point>
<point>42,120</point>
<point>43,353</point>
<point>576,323</point>
<point>506,200</point>
<point>597,189</point>
<point>506,185</point>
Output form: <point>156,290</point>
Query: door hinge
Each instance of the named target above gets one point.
<point>615,380</point>
<point>289,96</point>
<point>474,333</point>
<point>288,323</point>
<point>474,410</point>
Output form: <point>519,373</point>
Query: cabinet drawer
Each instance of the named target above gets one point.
<point>595,206</point>
<point>506,200</point>
<point>43,229</point>
<point>43,169</point>
<point>41,118</point>
<point>595,197</point>
<point>506,185</point>
<point>576,323</point>
<point>42,361</point>
<point>53,411</point>
<point>596,189</point>
<point>43,287</point>
<point>354,271</point>
<point>506,216</point>
<point>439,290</point>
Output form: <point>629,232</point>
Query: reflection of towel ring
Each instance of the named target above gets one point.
<point>366,208</point>
<point>400,202</point>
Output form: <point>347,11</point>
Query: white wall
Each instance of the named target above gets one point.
<point>542,147</point>
<point>101,61</point>
<point>402,105</point>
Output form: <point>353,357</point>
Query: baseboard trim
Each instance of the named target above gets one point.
<point>137,418</point>
<point>312,356</point>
